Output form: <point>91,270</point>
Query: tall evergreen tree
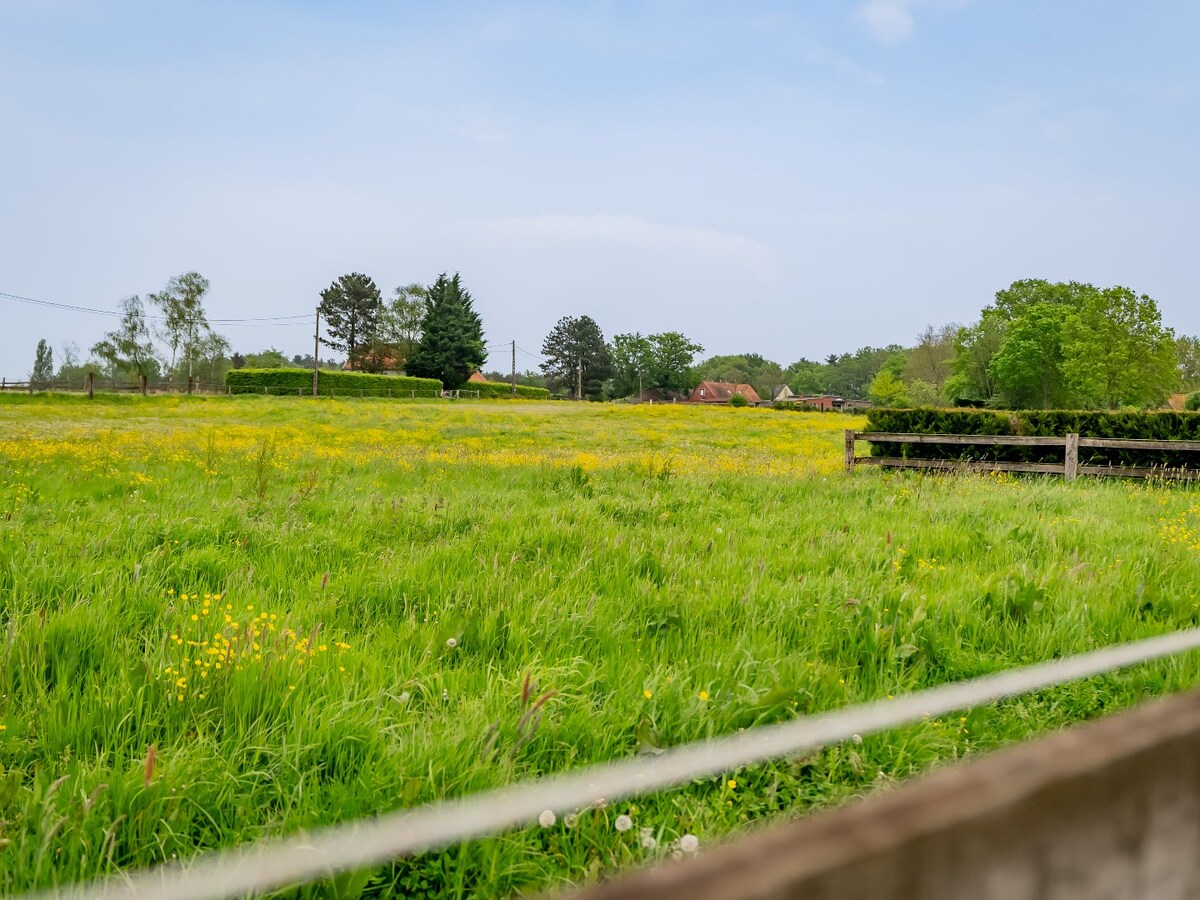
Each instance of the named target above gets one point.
<point>451,346</point>
<point>350,309</point>
<point>43,363</point>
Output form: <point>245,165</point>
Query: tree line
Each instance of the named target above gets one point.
<point>1039,344</point>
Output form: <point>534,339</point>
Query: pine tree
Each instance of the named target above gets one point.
<point>451,346</point>
<point>350,309</point>
<point>576,344</point>
<point>43,363</point>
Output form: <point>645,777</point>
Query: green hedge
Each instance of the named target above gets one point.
<point>330,383</point>
<point>1157,426</point>
<point>500,390</point>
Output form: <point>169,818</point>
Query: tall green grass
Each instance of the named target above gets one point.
<point>660,602</point>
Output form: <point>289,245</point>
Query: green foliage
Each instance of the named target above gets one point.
<point>43,363</point>
<point>184,325</point>
<point>572,343</point>
<point>971,373</point>
<point>1116,351</point>
<point>633,360</point>
<point>930,362</point>
<point>1028,367</point>
<point>1192,403</point>
<point>1187,356</point>
<point>266,359</point>
<point>1055,346</point>
<point>330,384</point>
<point>746,368</point>
<point>850,374</point>
<point>1157,426</point>
<point>128,350</point>
<point>502,390</point>
<point>654,362</point>
<point>888,390</point>
<point>738,400</point>
<point>451,346</point>
<point>350,310</point>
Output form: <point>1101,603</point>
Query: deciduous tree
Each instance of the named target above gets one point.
<point>184,324</point>
<point>672,356</point>
<point>129,349</point>
<point>633,358</point>
<point>1116,351</point>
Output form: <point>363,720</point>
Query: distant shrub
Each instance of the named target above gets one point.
<point>738,400</point>
<point>1192,402</point>
<point>1156,426</point>
<point>500,390</point>
<point>329,384</point>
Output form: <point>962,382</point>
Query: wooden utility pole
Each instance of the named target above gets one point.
<point>316,349</point>
<point>514,368</point>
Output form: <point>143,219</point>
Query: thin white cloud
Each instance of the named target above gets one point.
<point>889,21</point>
<point>893,21</point>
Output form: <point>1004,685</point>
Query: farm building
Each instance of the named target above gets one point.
<point>721,392</point>
<point>826,402</point>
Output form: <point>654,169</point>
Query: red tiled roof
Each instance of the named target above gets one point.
<point>721,391</point>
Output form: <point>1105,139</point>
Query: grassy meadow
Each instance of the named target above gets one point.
<point>319,610</point>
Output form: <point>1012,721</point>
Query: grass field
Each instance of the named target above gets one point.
<point>317,610</point>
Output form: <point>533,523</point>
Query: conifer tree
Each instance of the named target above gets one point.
<point>451,346</point>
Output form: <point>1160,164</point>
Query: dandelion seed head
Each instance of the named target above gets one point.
<point>623,823</point>
<point>689,843</point>
<point>547,818</point>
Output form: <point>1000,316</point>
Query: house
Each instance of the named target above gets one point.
<point>1178,402</point>
<point>389,366</point>
<point>477,377</point>
<point>783,394</point>
<point>720,392</point>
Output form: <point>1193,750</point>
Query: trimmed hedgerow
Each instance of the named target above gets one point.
<point>1157,426</point>
<point>499,390</point>
<point>329,384</point>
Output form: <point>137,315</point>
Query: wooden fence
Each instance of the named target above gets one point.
<point>1109,810</point>
<point>1069,468</point>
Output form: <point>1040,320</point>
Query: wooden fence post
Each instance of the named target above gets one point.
<point>851,434</point>
<point>91,385</point>
<point>144,383</point>
<point>1071,464</point>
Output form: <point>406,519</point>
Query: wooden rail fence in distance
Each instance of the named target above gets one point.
<point>1069,468</point>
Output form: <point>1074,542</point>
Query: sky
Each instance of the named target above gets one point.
<point>788,178</point>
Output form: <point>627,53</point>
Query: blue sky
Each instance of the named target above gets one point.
<point>792,179</point>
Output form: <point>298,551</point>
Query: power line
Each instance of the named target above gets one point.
<point>50,304</point>
<point>535,356</point>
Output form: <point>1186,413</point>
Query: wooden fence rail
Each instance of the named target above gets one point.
<point>1069,468</point>
<point>1109,810</point>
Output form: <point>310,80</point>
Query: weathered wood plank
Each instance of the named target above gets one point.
<point>1071,467</point>
<point>1015,440</point>
<point>1115,444</point>
<point>1109,809</point>
<point>974,465</point>
<point>1140,472</point>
